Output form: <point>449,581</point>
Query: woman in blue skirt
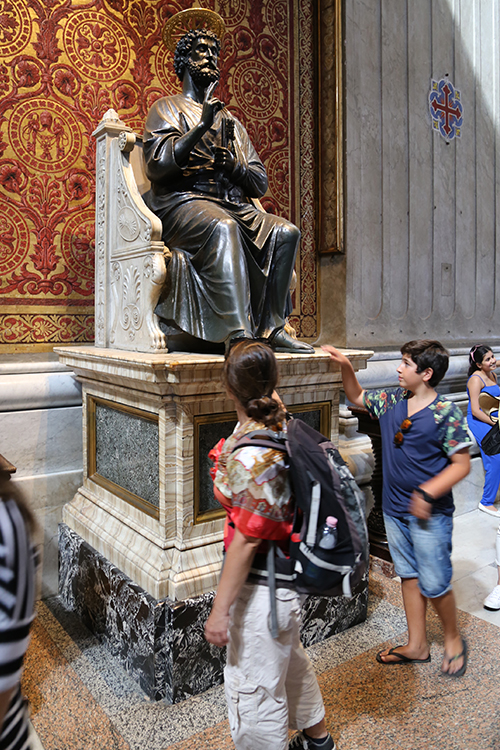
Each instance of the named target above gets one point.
<point>482,378</point>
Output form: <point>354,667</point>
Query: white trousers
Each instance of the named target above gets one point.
<point>270,684</point>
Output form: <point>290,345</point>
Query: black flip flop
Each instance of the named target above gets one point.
<point>464,654</point>
<point>402,658</point>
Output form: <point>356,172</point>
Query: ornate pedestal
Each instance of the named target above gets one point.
<point>375,522</point>
<point>140,545</point>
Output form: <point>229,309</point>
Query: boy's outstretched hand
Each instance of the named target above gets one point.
<point>337,356</point>
<point>352,388</point>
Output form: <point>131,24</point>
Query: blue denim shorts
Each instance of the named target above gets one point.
<point>422,549</point>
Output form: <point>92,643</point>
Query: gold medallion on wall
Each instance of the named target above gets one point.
<point>62,67</point>
<point>45,135</point>
<point>15,28</point>
<point>96,44</point>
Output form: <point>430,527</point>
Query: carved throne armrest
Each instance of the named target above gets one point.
<point>130,256</point>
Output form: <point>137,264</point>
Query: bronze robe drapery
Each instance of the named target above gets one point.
<point>231,263</point>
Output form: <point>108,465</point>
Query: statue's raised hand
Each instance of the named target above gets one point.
<point>211,106</point>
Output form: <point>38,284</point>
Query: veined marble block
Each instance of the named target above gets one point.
<point>141,543</point>
<point>161,642</point>
<point>149,420</point>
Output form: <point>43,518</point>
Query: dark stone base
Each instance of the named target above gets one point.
<point>380,549</point>
<point>161,643</point>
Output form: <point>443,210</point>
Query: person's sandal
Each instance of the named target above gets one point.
<point>401,658</point>
<point>462,669</point>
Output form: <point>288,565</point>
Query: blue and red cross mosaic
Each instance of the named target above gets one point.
<point>446,109</point>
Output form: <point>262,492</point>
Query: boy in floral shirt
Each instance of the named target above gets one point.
<point>425,451</point>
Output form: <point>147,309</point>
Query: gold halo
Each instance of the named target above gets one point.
<point>189,20</point>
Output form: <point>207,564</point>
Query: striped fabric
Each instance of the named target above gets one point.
<point>17,601</point>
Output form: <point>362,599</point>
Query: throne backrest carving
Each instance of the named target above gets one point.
<point>136,157</point>
<point>130,255</point>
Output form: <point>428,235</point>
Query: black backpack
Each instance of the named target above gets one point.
<point>322,486</point>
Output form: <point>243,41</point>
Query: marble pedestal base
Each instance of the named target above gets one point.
<point>141,544</point>
<point>161,642</point>
<point>158,641</point>
<point>149,421</point>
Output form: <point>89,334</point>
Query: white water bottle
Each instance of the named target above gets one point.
<point>327,535</point>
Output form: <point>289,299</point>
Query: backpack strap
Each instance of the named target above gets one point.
<point>263,439</point>
<point>312,528</point>
<point>271,582</point>
<point>275,441</point>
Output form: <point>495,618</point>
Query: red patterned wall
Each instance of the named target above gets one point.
<point>63,63</point>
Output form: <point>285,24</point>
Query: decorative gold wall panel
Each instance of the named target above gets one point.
<point>63,63</point>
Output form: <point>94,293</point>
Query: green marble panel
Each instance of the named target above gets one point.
<point>310,417</point>
<point>209,435</point>
<point>127,451</point>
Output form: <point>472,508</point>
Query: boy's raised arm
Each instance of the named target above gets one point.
<point>352,388</point>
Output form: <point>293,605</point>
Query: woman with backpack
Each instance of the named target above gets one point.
<point>270,684</point>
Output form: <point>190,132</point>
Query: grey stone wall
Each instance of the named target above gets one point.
<point>41,434</point>
<point>421,214</point>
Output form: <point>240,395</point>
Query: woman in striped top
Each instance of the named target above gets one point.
<point>17,601</point>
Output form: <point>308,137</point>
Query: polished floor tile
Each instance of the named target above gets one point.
<point>81,699</point>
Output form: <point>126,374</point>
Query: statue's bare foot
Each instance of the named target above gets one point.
<point>281,341</point>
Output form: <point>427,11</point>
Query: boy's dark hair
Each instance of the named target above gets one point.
<point>428,354</point>
<point>476,356</point>
<point>251,374</point>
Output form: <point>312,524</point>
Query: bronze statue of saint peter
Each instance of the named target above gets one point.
<point>231,266</point>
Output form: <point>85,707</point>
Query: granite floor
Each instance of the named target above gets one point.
<point>82,700</point>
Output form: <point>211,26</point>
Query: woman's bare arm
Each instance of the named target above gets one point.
<point>474,385</point>
<point>237,564</point>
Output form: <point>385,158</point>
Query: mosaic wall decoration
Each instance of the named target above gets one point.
<point>446,109</point>
<point>63,64</point>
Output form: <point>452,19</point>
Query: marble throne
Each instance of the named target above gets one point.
<point>130,255</point>
<point>141,542</point>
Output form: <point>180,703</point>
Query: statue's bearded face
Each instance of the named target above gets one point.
<point>202,62</point>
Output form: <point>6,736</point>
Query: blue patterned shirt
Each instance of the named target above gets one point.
<point>436,433</point>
